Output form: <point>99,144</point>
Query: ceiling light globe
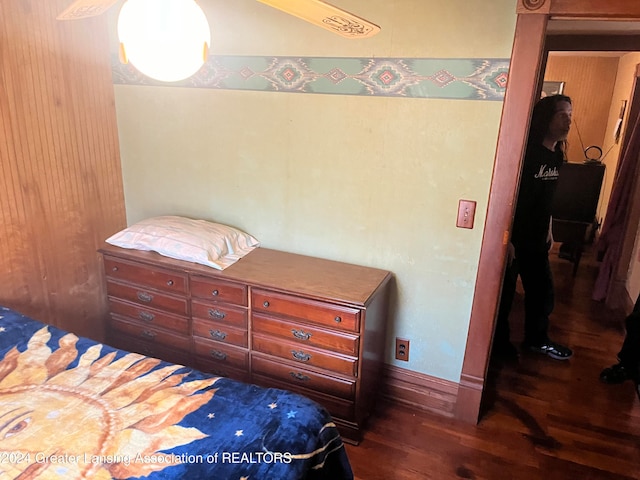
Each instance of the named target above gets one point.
<point>164,39</point>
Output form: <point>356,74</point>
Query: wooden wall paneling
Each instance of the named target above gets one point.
<point>589,81</point>
<point>16,258</point>
<point>62,192</point>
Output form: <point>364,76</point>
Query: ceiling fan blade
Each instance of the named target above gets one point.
<point>327,16</point>
<point>85,8</point>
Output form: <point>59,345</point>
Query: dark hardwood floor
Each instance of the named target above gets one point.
<point>544,418</point>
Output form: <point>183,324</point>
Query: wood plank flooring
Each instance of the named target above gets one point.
<point>543,418</point>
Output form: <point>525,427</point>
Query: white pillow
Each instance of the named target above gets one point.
<point>199,241</point>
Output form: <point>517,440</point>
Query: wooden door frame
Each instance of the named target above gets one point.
<point>524,71</point>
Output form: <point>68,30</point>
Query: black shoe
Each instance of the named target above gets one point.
<point>617,373</point>
<point>552,349</point>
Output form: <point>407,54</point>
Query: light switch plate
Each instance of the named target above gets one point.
<point>466,213</point>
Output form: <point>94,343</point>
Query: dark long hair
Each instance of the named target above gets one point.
<point>543,112</point>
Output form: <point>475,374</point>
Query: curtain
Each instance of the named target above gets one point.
<point>609,244</point>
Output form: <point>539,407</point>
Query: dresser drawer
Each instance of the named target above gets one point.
<point>220,354</point>
<point>323,313</point>
<point>222,370</point>
<point>149,316</point>
<point>303,377</point>
<point>223,313</point>
<point>153,277</point>
<point>148,298</point>
<point>149,334</point>
<point>219,290</point>
<point>337,407</point>
<point>305,355</point>
<point>220,332</point>
<point>149,349</point>
<point>306,334</point>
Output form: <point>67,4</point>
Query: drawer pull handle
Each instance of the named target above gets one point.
<point>170,283</point>
<point>299,376</point>
<point>217,334</point>
<point>148,334</point>
<point>300,355</point>
<point>265,304</point>
<point>215,293</point>
<point>300,334</point>
<point>115,269</point>
<point>216,314</point>
<point>145,297</point>
<point>146,316</point>
<point>337,319</point>
<point>218,355</point>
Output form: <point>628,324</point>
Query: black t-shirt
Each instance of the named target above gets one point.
<point>538,183</point>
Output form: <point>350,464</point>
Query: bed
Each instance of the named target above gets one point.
<point>73,408</point>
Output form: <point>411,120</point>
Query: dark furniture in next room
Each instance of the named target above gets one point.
<point>575,205</point>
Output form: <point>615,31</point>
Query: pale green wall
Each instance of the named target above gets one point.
<point>373,181</point>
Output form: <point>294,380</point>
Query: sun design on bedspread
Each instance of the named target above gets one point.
<point>125,408</point>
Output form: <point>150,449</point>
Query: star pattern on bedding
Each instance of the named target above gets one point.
<point>159,404</point>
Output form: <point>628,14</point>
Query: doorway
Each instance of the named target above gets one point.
<point>526,66</point>
<point>590,79</point>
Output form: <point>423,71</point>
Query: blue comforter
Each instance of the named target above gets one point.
<point>73,408</point>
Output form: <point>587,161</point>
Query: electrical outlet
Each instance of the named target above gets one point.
<point>466,213</point>
<point>402,349</point>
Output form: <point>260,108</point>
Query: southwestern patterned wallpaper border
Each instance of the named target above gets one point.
<point>450,78</point>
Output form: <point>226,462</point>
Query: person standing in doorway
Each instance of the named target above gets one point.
<point>531,236</point>
<point>628,366</point>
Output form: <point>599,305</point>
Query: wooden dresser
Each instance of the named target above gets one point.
<point>273,318</point>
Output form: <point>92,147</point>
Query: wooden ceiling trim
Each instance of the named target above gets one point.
<point>596,43</point>
<point>594,9</point>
